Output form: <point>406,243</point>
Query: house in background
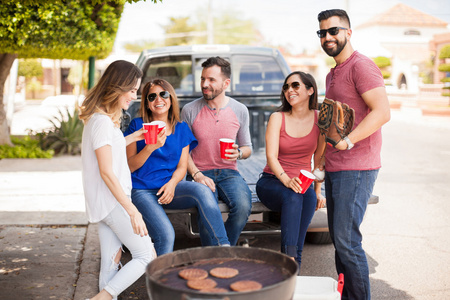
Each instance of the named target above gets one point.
<point>55,80</point>
<point>436,44</point>
<point>403,34</point>
<point>56,74</point>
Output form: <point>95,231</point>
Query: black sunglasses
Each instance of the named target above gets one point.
<point>295,85</point>
<point>332,31</point>
<point>164,94</point>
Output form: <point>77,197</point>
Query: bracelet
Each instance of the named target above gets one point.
<point>193,176</point>
<point>282,173</point>
<point>240,153</point>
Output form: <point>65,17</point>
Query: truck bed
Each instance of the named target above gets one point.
<point>262,221</point>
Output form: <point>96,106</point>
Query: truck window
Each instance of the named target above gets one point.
<point>256,75</point>
<point>175,69</point>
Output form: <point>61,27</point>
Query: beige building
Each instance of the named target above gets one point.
<point>403,34</point>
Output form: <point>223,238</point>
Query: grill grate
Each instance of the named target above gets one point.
<point>265,273</point>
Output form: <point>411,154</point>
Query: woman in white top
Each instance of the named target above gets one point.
<point>107,179</point>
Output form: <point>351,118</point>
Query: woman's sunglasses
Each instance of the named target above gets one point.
<point>295,85</point>
<point>332,31</point>
<point>164,94</point>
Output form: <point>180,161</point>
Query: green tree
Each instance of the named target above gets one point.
<point>180,31</point>
<point>142,45</point>
<point>69,29</point>
<point>227,29</point>
<point>230,29</point>
<point>30,68</point>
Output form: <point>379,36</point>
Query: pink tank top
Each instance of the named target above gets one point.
<point>295,154</point>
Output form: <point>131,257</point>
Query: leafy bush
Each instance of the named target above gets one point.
<point>382,61</point>
<point>445,52</point>
<point>444,67</point>
<point>24,148</point>
<point>65,136</point>
<point>427,77</point>
<point>386,74</point>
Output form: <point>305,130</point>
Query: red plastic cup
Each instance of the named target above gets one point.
<point>340,286</point>
<point>160,124</point>
<point>306,178</point>
<point>152,133</point>
<point>224,145</point>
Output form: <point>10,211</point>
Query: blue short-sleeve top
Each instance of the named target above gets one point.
<point>159,167</point>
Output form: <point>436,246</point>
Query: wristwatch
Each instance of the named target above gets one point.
<point>240,154</point>
<point>349,143</point>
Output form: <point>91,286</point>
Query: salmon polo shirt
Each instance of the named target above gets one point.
<point>210,125</point>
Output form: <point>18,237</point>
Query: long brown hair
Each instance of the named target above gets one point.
<point>309,81</point>
<point>119,78</point>
<point>174,111</point>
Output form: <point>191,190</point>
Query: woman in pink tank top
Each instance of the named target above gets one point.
<point>291,140</point>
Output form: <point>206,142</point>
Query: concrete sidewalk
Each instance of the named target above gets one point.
<point>48,255</point>
<point>48,249</point>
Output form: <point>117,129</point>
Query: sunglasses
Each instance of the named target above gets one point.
<point>152,97</point>
<point>295,85</point>
<point>332,31</point>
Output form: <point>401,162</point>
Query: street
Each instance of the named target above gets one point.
<point>406,235</point>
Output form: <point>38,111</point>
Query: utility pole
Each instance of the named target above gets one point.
<point>210,24</point>
<point>91,72</point>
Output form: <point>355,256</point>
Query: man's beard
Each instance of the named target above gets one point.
<point>213,95</point>
<point>333,52</point>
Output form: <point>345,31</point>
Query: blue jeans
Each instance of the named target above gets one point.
<point>348,193</point>
<point>297,211</point>
<point>232,189</point>
<point>187,194</point>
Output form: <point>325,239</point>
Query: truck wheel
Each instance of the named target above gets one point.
<point>318,237</point>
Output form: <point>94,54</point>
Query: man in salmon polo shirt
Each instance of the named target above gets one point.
<point>212,117</point>
<point>350,173</point>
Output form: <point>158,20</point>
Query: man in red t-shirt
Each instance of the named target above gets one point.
<point>351,172</point>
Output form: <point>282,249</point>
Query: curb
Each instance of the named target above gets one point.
<point>43,218</point>
<point>87,283</point>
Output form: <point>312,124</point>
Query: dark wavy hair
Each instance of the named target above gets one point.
<point>309,81</point>
<point>174,111</point>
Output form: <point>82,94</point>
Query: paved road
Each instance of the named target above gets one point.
<point>405,236</point>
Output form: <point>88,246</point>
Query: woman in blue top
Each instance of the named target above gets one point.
<point>158,171</point>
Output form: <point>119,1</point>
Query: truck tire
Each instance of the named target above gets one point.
<point>320,238</point>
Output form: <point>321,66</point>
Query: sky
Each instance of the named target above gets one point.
<point>289,23</point>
